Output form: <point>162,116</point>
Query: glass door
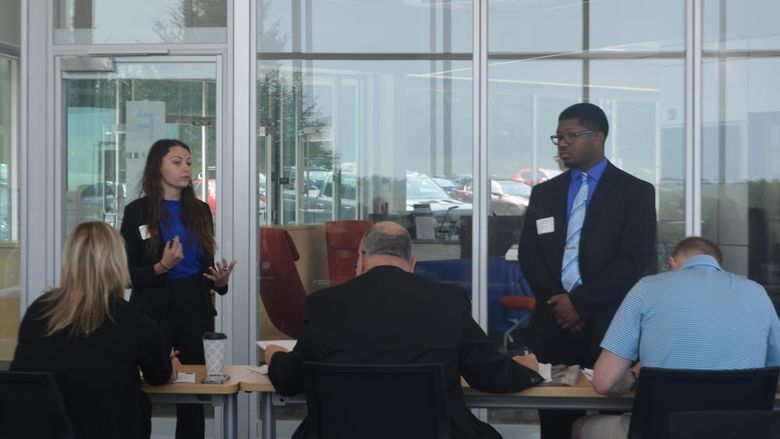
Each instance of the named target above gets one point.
<point>115,108</point>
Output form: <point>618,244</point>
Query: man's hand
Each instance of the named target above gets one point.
<point>175,367</point>
<point>270,351</point>
<point>528,361</point>
<point>565,315</point>
<point>577,327</point>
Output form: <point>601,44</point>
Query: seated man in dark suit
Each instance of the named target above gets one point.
<point>388,315</point>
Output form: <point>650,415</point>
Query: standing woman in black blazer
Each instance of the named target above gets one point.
<point>93,341</point>
<point>169,236</point>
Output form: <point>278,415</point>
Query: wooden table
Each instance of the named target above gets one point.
<point>246,379</point>
<point>219,395</point>
<point>579,397</point>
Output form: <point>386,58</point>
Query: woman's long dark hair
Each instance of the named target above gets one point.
<point>193,215</point>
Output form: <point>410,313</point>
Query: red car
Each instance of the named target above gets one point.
<point>543,174</point>
<point>507,197</point>
<point>211,191</point>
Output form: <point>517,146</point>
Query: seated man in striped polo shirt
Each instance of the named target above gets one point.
<point>683,319</point>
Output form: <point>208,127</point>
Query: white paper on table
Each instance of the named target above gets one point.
<point>262,370</point>
<point>287,344</point>
<point>185,377</point>
<point>545,370</point>
<point>588,373</point>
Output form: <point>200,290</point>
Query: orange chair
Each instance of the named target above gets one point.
<point>281,289</point>
<point>343,242</point>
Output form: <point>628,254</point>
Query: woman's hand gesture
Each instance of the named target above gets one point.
<point>220,273</point>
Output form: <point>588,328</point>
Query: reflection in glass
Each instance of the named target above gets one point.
<point>740,152</point>
<point>337,157</point>
<point>112,120</point>
<point>142,21</point>
<point>740,25</point>
<point>373,26</point>
<point>9,208</point>
<point>362,139</point>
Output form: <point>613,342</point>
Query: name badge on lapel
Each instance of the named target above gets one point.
<point>545,225</point>
<point>144,231</point>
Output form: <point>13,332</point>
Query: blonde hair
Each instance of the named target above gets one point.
<point>94,268</point>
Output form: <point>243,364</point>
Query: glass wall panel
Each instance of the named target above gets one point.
<point>626,57</point>
<point>328,26</point>
<point>358,126</point>
<point>740,25</point>
<point>741,138</point>
<point>113,119</point>
<point>9,208</point>
<point>140,21</point>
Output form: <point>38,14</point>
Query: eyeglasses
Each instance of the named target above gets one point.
<point>569,137</point>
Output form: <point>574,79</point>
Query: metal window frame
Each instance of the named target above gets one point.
<point>693,90</point>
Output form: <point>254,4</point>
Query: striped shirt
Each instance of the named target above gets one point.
<point>696,317</point>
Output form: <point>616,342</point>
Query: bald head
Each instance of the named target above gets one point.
<point>386,243</point>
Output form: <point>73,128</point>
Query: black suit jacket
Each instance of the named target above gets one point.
<point>150,292</point>
<point>617,246</point>
<point>390,316</point>
<point>98,374</point>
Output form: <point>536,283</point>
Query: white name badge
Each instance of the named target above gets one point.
<point>144,231</point>
<point>545,225</point>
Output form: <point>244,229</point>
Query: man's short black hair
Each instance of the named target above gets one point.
<point>589,115</point>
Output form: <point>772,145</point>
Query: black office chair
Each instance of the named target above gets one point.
<point>726,424</point>
<point>31,407</point>
<point>661,392</point>
<point>348,401</point>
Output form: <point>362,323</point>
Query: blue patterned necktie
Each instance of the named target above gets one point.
<point>570,269</point>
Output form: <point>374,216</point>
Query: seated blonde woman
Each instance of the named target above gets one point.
<point>94,341</point>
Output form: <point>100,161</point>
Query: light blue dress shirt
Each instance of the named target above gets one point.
<point>594,176</point>
<point>696,317</point>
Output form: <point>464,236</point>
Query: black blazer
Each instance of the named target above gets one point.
<point>390,316</point>
<point>98,374</point>
<point>150,292</point>
<point>617,246</point>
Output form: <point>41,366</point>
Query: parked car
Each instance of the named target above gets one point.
<point>515,192</point>
<point>543,174</point>
<point>447,184</point>
<point>211,190</point>
<point>99,200</point>
<point>501,202</point>
<point>420,189</point>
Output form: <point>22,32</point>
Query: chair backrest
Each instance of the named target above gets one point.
<point>726,424</point>
<point>343,245</point>
<point>661,392</point>
<point>358,401</point>
<point>31,406</point>
<point>281,289</point>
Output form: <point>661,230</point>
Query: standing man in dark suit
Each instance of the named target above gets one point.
<point>588,236</point>
<point>389,315</point>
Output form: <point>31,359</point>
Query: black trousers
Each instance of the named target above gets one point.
<point>183,328</point>
<point>556,424</point>
<point>576,348</point>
